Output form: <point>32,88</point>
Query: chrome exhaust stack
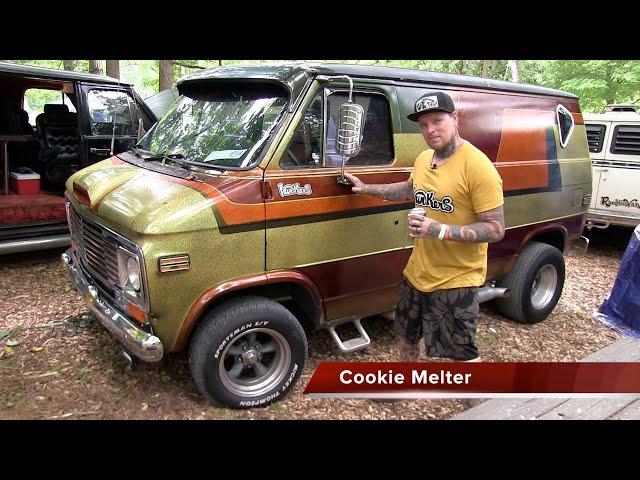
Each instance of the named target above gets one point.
<point>489,292</point>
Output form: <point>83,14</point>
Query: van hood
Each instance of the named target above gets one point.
<point>144,201</point>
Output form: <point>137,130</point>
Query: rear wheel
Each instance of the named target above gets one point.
<point>248,352</point>
<point>534,284</point>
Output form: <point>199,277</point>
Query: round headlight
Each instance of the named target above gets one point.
<point>133,273</point>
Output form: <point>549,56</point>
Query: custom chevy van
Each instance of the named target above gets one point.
<point>227,230</point>
<point>614,146</point>
<point>52,124</point>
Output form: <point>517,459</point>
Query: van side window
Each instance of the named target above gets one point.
<point>565,124</point>
<point>377,145</point>
<point>595,137</point>
<point>104,105</point>
<point>305,148</point>
<point>626,140</point>
<point>36,98</point>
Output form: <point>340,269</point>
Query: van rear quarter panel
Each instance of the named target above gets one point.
<point>543,182</point>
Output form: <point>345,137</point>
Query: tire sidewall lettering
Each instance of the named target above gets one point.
<point>235,333</point>
<point>276,393</point>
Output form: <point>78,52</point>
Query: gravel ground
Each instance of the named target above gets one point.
<point>59,362</point>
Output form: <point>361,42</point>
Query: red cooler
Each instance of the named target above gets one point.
<point>25,183</point>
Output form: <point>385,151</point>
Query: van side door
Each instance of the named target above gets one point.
<point>352,246</point>
<point>110,111</point>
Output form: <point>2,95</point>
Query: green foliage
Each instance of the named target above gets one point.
<point>596,82</point>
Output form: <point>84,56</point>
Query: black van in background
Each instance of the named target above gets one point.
<point>52,124</point>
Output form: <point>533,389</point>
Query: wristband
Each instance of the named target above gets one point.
<point>443,231</point>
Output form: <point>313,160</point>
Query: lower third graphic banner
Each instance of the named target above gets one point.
<point>470,379</point>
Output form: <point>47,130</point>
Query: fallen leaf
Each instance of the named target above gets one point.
<point>144,407</point>
<point>4,333</point>
<point>37,349</point>
<point>12,343</point>
<point>7,352</point>
<point>492,330</point>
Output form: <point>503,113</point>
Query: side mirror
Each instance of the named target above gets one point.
<point>349,131</point>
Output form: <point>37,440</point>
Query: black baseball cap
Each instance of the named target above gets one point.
<point>432,102</point>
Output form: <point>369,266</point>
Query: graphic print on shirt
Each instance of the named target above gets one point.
<point>429,200</point>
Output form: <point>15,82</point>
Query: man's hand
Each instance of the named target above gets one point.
<point>421,226</point>
<point>490,229</point>
<point>387,191</point>
<point>358,185</point>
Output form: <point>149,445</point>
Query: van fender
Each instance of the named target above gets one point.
<point>217,292</point>
<point>549,228</point>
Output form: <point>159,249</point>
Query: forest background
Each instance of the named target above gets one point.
<point>597,82</point>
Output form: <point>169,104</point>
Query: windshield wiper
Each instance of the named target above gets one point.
<point>142,153</point>
<point>179,159</point>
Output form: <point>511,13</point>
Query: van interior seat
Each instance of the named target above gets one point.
<point>15,121</point>
<point>57,132</point>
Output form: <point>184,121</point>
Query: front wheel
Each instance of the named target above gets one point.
<point>248,352</point>
<point>535,284</point>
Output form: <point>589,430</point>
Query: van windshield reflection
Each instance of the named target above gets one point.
<point>225,128</point>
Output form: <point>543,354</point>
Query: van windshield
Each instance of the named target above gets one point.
<point>226,125</point>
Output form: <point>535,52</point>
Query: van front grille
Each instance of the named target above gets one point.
<point>595,137</point>
<point>626,140</point>
<point>97,251</point>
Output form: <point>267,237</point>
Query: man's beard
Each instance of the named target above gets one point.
<point>447,150</point>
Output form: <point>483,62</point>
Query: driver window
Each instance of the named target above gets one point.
<point>112,110</point>
<point>305,148</point>
<point>377,146</point>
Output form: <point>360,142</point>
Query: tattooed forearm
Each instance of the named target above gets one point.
<point>391,191</point>
<point>489,230</point>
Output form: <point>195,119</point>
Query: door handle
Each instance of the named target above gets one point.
<point>100,151</point>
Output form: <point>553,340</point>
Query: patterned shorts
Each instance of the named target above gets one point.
<point>446,319</point>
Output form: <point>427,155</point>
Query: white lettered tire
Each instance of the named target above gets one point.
<point>247,352</point>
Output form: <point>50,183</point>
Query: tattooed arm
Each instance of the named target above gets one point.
<point>387,191</point>
<point>489,229</point>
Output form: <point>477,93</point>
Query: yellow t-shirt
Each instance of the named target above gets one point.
<point>466,184</point>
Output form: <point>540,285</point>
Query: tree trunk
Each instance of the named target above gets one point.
<point>69,65</point>
<point>113,68</point>
<point>494,64</point>
<point>485,67</point>
<point>95,67</point>
<point>465,66</point>
<point>166,74</point>
<point>515,74</point>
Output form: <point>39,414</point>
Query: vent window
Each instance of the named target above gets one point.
<point>595,137</point>
<point>565,124</point>
<point>626,140</point>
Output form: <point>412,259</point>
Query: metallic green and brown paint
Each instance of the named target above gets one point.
<point>348,250</point>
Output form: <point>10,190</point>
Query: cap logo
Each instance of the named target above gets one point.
<point>426,103</point>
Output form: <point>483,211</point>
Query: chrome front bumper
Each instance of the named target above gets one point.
<point>141,344</point>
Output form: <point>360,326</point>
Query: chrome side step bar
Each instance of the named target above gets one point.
<point>353,344</point>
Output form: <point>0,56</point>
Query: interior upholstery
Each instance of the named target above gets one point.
<point>57,132</point>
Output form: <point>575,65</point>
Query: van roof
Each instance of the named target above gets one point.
<point>288,73</point>
<point>41,72</point>
<point>612,117</point>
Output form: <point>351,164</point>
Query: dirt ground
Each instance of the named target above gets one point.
<point>58,362</point>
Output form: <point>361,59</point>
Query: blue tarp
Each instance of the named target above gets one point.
<point>621,311</point>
